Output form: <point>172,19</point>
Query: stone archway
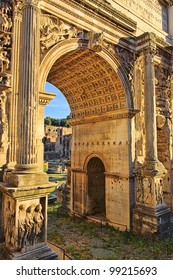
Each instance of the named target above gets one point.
<point>98,94</point>
<point>96,187</point>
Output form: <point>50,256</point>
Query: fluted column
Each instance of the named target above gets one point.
<point>28,88</point>
<point>150,106</point>
<point>11,161</point>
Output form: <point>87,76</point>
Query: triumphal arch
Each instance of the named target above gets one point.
<point>113,61</point>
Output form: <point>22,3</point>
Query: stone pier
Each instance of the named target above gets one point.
<point>151,215</point>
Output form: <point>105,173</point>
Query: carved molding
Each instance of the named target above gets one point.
<point>118,114</point>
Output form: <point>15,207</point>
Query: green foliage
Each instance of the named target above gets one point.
<point>58,122</point>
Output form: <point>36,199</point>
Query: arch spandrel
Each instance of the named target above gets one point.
<point>93,83</point>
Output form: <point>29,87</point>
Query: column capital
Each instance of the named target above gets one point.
<point>146,42</point>
<point>30,3</point>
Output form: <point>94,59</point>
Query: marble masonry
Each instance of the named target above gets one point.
<point>113,61</point>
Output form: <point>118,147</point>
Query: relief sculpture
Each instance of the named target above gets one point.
<point>6,24</point>
<point>30,224</point>
<point>54,30</point>
<point>3,120</point>
<point>9,223</point>
<point>163,90</point>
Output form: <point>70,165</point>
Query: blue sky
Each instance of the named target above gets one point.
<point>58,108</point>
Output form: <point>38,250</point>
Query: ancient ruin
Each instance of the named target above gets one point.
<point>113,61</point>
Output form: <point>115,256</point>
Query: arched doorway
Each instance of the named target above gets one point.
<point>96,187</point>
<point>101,104</point>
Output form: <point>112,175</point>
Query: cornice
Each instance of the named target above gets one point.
<point>107,11</point>
<point>98,9</point>
<point>45,97</point>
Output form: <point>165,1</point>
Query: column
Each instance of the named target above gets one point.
<point>27,160</point>
<point>150,106</point>
<point>11,161</point>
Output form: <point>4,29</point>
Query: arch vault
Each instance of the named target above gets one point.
<point>117,80</point>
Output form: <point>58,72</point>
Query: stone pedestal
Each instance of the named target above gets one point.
<point>152,221</point>
<point>25,222</point>
<point>151,216</point>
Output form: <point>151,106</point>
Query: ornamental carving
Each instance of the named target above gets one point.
<point>6,23</point>
<point>9,222</point>
<point>128,59</point>
<point>3,120</point>
<point>90,84</point>
<point>163,90</point>
<point>54,30</point>
<point>145,190</point>
<point>96,41</point>
<point>30,225</point>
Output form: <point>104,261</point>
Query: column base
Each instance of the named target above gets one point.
<point>42,253</point>
<point>25,179</point>
<point>153,168</point>
<point>149,221</point>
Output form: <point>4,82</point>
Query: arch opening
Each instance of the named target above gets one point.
<point>90,84</point>
<point>96,187</point>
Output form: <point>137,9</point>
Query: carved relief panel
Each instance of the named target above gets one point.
<point>30,224</point>
<point>9,218</point>
<point>163,90</point>
<point>54,30</point>
<point>6,23</point>
<point>3,120</point>
<point>24,223</point>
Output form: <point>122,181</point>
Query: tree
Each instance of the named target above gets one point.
<point>48,120</point>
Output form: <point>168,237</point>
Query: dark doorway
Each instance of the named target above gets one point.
<point>96,187</point>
